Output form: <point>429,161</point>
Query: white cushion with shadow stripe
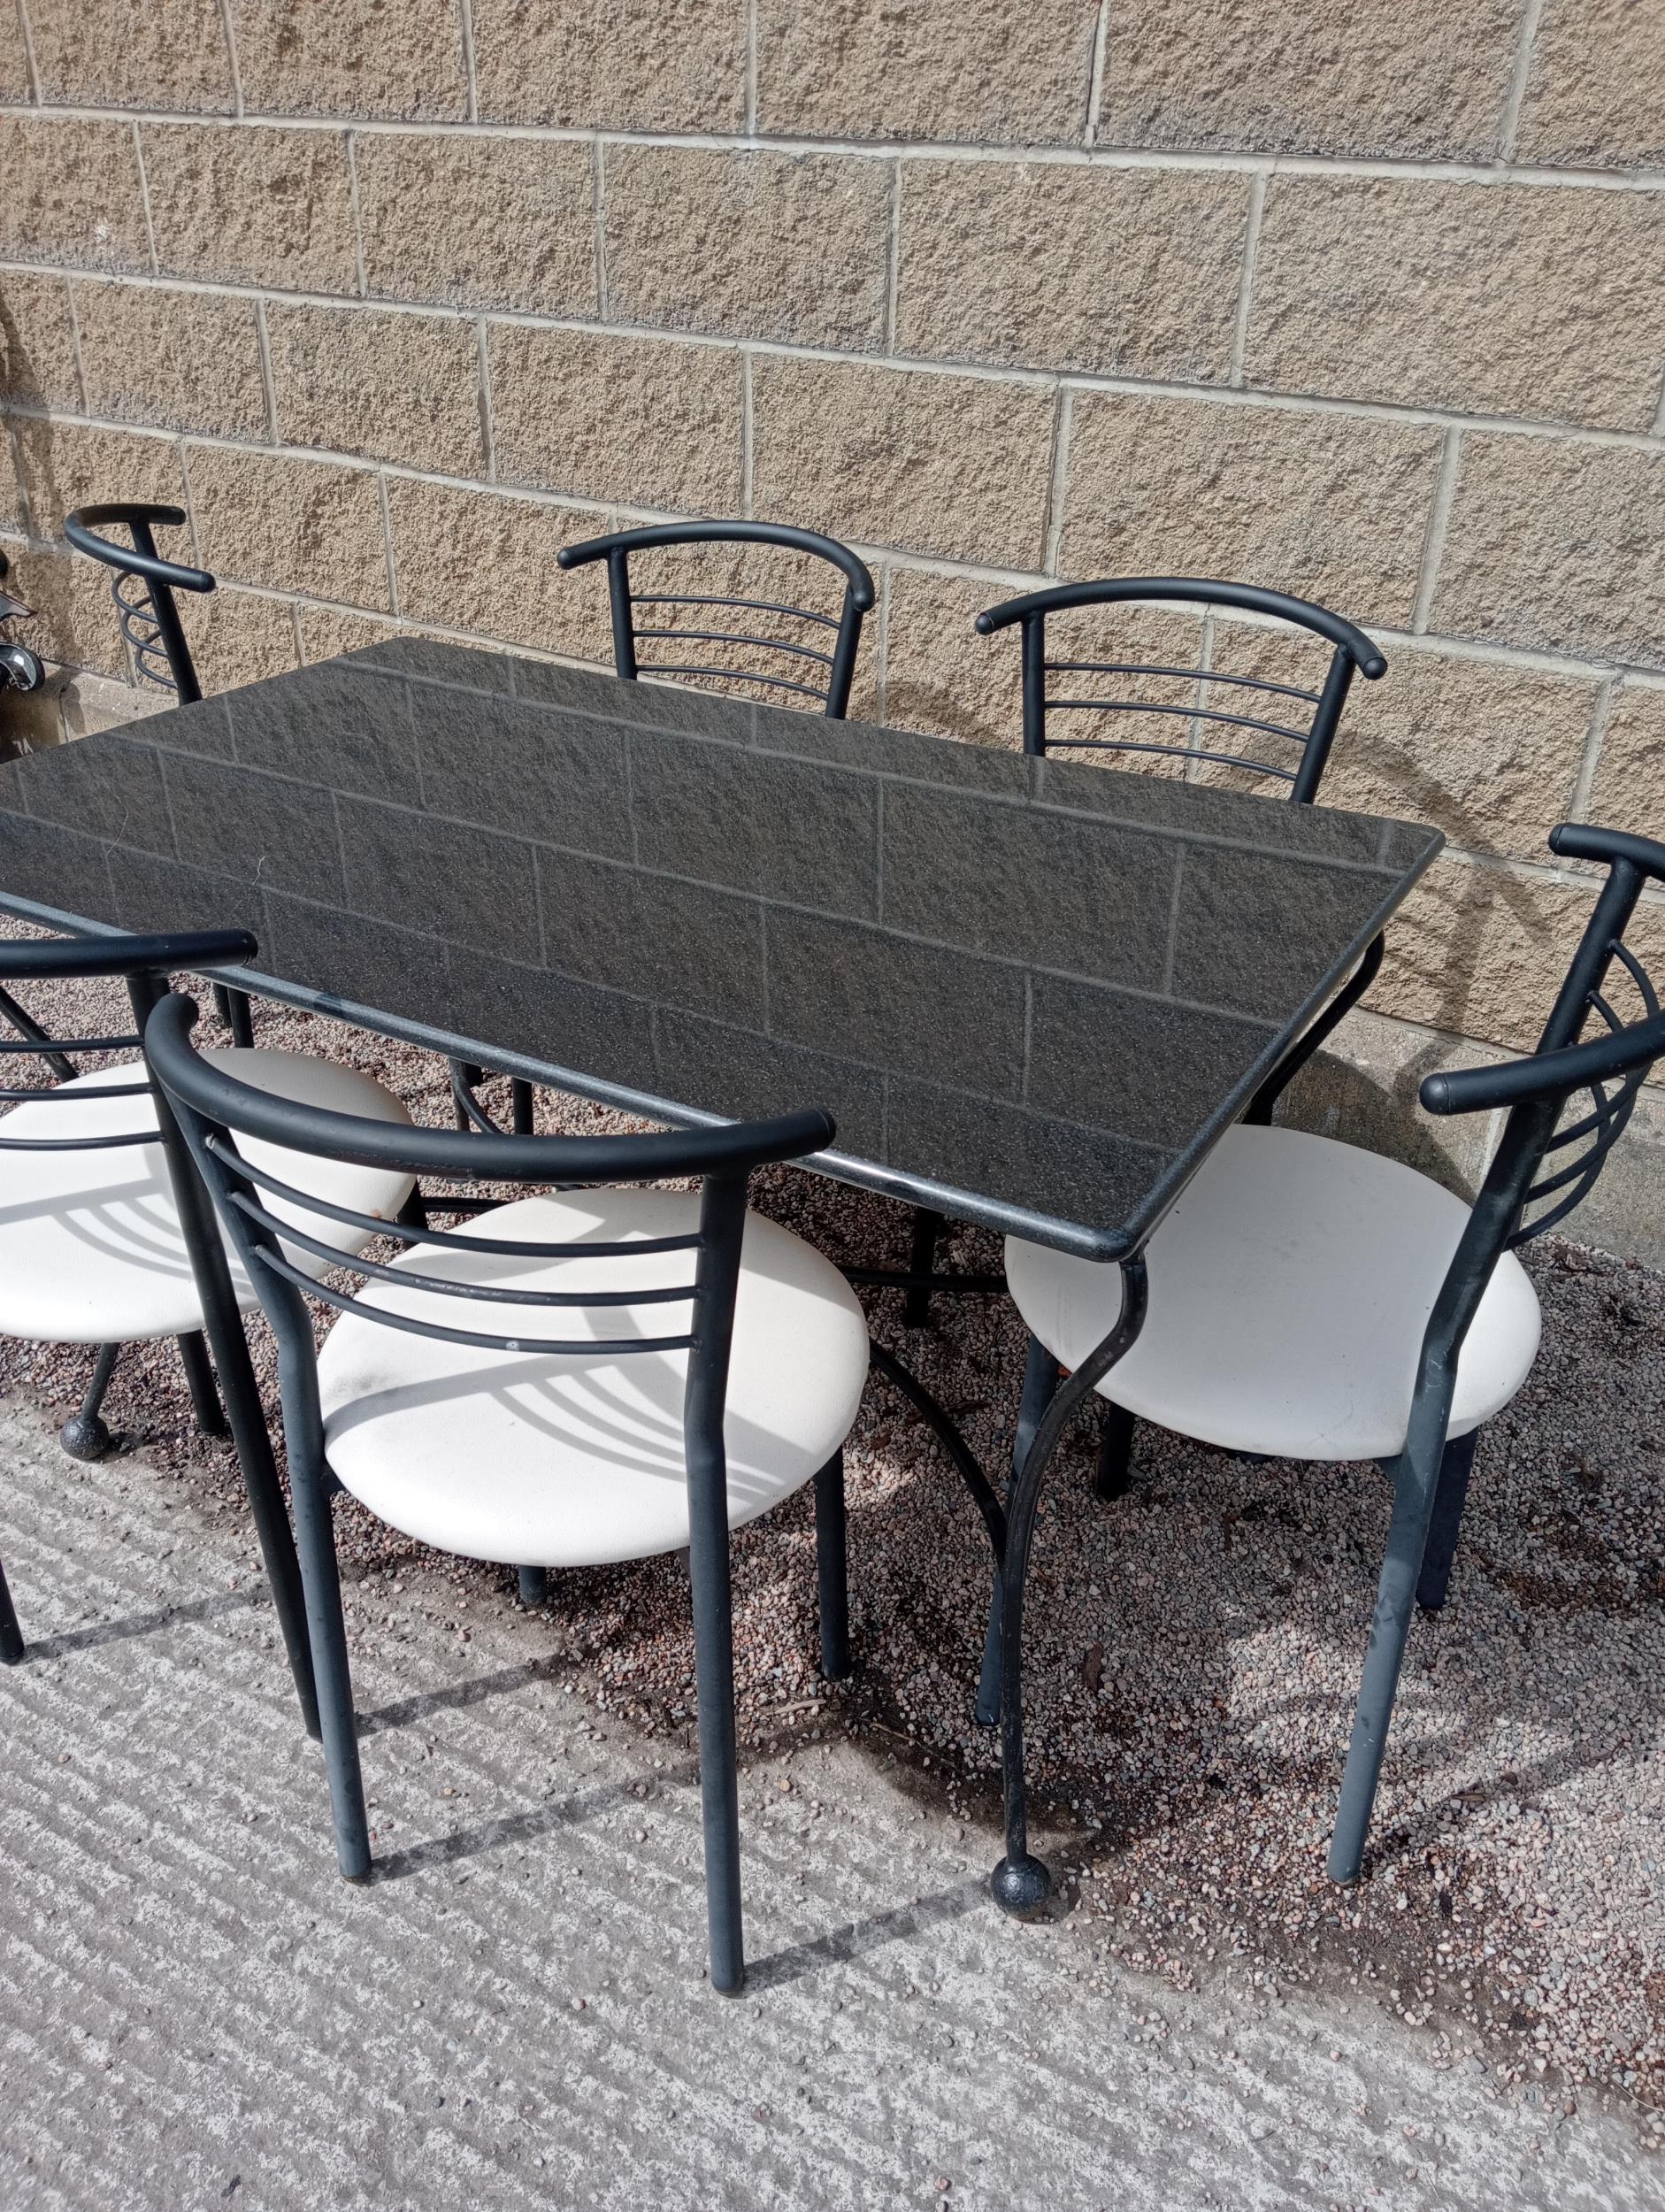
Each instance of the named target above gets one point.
<point>559,1460</point>
<point>1290,1287</point>
<point>91,1249</point>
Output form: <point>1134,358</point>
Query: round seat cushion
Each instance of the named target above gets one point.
<point>91,1248</point>
<point>1290,1287</point>
<point>544,1459</point>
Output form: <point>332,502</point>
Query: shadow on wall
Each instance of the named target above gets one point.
<point>930,707</point>
<point>1456,942</point>
<point>31,511</point>
<point>19,381</point>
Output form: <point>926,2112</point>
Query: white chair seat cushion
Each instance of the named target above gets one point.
<point>91,1248</point>
<point>555,1460</point>
<point>1290,1287</point>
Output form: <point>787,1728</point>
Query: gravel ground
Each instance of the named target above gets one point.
<point>1192,1655</point>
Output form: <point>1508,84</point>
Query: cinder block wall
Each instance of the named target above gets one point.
<point>1367,304</point>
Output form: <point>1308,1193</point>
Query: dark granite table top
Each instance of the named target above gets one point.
<point>1030,992</point>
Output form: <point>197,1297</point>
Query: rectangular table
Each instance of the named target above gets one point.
<point>1032,992</point>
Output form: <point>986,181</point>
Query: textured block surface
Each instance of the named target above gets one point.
<point>111,53</point>
<point>1475,298</point>
<point>749,245</point>
<point>352,57</point>
<point>574,412</point>
<point>950,465</point>
<point>1322,505</point>
<point>303,526</point>
<point>931,69</point>
<point>175,360</point>
<point>1134,271</point>
<point>680,67</point>
<point>252,206</point>
<point>394,387</point>
<point>1306,76</point>
<point>478,222</point>
<point>1557,547</point>
<point>72,195</point>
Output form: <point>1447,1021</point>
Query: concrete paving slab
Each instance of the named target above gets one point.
<point>195,2011</point>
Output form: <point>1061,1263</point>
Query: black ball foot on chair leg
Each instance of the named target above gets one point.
<point>534,1586</point>
<point>86,1437</point>
<point>1020,1887</point>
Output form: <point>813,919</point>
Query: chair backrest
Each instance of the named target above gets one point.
<point>143,961</point>
<point>143,589</point>
<point>1528,1169</point>
<point>1354,653</point>
<point>808,669</point>
<point>215,1110</point>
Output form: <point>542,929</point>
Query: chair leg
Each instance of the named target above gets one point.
<point>1113,1477</point>
<point>916,1304</point>
<point>327,1633</point>
<point>11,1634</point>
<point>84,1435</point>
<point>199,1373</point>
<point>534,1586</point>
<point>830,1568</point>
<point>719,1785</point>
<point>236,1013</point>
<point>520,1106</point>
<point>1456,1464</point>
<point>1395,1595</point>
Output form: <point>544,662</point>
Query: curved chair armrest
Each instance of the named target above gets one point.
<point>854,569</point>
<point>1254,598</point>
<point>1582,840</point>
<point>79,528</point>
<point>191,950</point>
<point>1545,1074</point>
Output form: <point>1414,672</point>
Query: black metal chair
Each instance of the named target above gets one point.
<point>1309,1299</point>
<point>1352,654</point>
<point>815,674</point>
<point>92,1250</point>
<point>143,587</point>
<point>709,1364</point>
<point>831,688</point>
<point>106,1237</point>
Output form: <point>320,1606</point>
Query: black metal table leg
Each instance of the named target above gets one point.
<point>1020,1882</point>
<point>222,1324</point>
<point>927,1230</point>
